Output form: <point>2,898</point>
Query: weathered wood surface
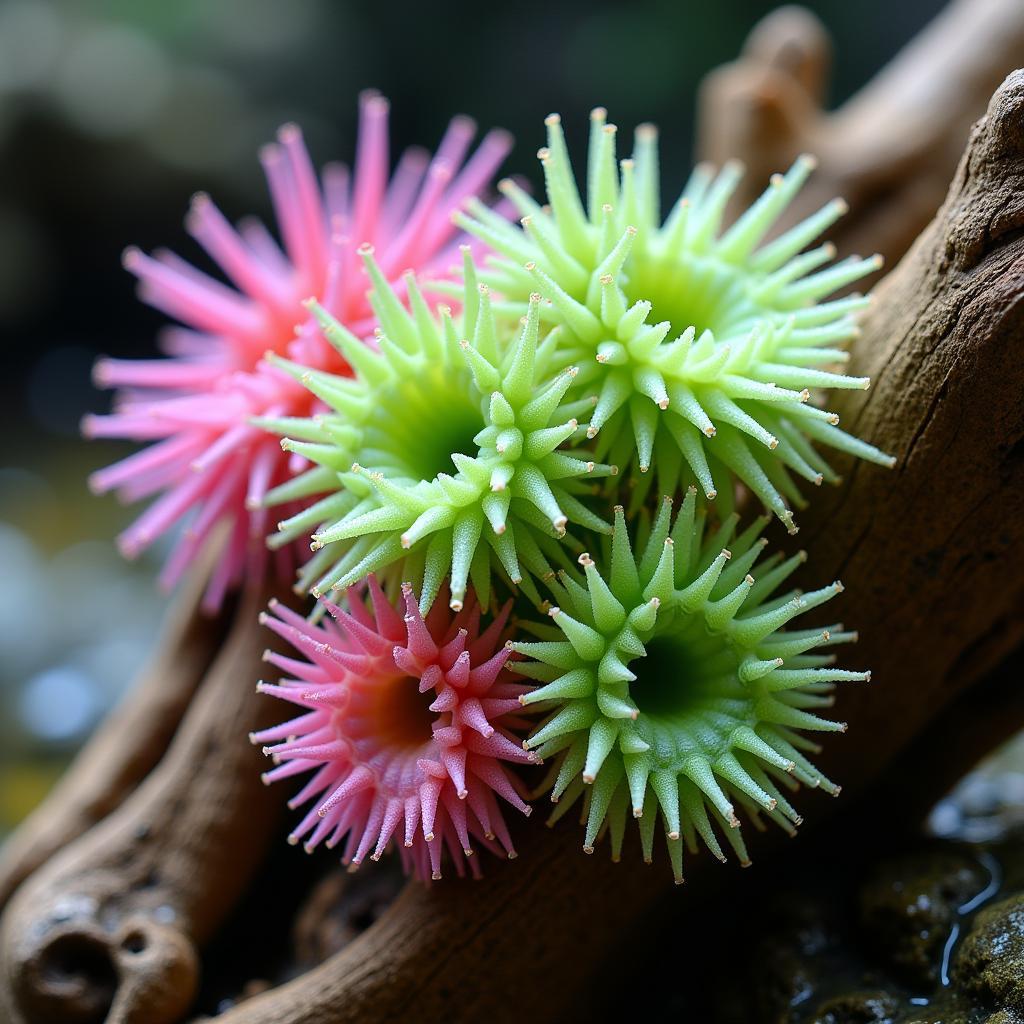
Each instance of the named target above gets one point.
<point>108,928</point>
<point>126,747</point>
<point>891,149</point>
<point>933,556</point>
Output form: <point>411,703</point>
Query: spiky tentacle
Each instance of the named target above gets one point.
<point>445,454</point>
<point>700,345</point>
<point>205,462</point>
<point>715,716</point>
<point>407,725</point>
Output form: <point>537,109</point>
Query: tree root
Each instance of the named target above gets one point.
<point>891,149</point>
<point>108,929</point>
<point>934,551</point>
<point>126,747</point>
<point>933,554</point>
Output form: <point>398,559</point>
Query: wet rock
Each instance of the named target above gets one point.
<point>947,1009</point>
<point>859,1008</point>
<point>786,980</point>
<point>946,819</point>
<point>909,904</point>
<point>990,962</point>
<point>980,795</point>
<point>787,963</point>
<point>986,806</point>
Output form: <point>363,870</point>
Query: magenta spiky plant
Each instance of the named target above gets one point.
<point>407,724</point>
<point>205,457</point>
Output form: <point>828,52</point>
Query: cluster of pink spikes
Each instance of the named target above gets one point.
<point>405,723</point>
<point>206,464</point>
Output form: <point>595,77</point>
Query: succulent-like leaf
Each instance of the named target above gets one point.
<point>701,346</point>
<point>675,688</point>
<point>445,455</point>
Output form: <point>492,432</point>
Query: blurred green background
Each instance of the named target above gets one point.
<point>113,113</point>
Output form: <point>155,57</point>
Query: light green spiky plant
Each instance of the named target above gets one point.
<point>448,453</point>
<point>675,688</point>
<point>700,345</point>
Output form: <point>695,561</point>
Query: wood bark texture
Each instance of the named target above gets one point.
<point>890,149</point>
<point>108,929</point>
<point>126,747</point>
<point>933,555</point>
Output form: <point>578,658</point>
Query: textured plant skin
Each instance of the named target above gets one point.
<point>713,719</point>
<point>700,345</point>
<point>195,407</point>
<point>442,455</point>
<point>407,724</point>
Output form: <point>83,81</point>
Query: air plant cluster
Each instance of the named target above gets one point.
<point>516,467</point>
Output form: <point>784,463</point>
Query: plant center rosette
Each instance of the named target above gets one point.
<point>407,726</point>
<point>674,689</point>
<point>699,345</point>
<point>449,454</point>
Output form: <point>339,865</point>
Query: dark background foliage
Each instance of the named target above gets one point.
<point>112,112</point>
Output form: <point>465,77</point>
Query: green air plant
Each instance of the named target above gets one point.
<point>674,687</point>
<point>443,455</point>
<point>700,346</point>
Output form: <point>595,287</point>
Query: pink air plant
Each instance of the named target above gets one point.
<point>406,724</point>
<point>207,460</point>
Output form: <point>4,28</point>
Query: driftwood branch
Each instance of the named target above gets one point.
<point>942,533</point>
<point>891,149</point>
<point>932,554</point>
<point>976,722</point>
<point>126,747</point>
<point>108,929</point>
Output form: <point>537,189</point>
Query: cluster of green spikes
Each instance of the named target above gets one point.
<point>713,717</point>
<point>599,367</point>
<point>446,454</point>
<point>699,346</point>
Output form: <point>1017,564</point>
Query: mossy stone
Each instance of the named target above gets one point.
<point>872,1007</point>
<point>990,963</point>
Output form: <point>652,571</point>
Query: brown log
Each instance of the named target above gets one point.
<point>127,745</point>
<point>933,554</point>
<point>108,929</point>
<point>975,723</point>
<point>933,551</point>
<point>891,149</point>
